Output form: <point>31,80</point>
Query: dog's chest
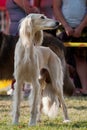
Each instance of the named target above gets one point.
<point>29,66</point>
<point>28,71</point>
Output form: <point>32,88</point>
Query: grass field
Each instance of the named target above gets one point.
<point>77,109</point>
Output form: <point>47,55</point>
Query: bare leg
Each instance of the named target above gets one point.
<point>81,66</point>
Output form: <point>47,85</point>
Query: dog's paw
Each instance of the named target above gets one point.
<point>32,123</point>
<point>15,123</point>
<point>15,118</point>
<point>39,120</point>
<point>66,121</point>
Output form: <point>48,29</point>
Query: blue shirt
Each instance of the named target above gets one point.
<point>16,14</point>
<point>74,11</point>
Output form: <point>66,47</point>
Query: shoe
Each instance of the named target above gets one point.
<point>82,93</point>
<point>79,92</point>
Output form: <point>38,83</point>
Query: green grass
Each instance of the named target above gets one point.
<point>77,109</point>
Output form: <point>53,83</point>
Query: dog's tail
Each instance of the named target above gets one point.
<point>50,108</point>
<point>50,102</point>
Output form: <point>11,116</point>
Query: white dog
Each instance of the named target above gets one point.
<point>30,58</point>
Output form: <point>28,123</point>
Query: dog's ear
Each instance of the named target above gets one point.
<point>25,27</point>
<point>29,27</point>
<point>38,38</point>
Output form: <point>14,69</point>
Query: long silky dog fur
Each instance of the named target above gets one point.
<point>7,47</point>
<point>30,58</point>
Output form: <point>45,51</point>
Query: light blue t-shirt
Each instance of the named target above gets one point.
<point>74,11</point>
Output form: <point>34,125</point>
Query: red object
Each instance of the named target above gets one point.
<point>2,3</point>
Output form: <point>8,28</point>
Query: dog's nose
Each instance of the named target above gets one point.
<point>57,23</point>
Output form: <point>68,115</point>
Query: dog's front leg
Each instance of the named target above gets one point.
<point>39,109</point>
<point>16,102</point>
<point>36,103</point>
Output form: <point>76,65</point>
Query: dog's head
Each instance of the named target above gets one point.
<point>33,24</point>
<point>41,22</point>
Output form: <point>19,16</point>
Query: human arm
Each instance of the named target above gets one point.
<point>25,5</point>
<point>37,3</point>
<point>57,5</point>
<point>79,29</point>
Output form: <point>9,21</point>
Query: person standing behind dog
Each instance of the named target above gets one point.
<point>4,18</point>
<point>18,9</point>
<point>73,17</point>
<point>45,7</point>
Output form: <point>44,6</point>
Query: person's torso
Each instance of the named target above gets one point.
<point>46,8</point>
<point>74,11</point>
<point>45,3</point>
<point>15,12</point>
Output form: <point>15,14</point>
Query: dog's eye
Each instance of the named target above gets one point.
<point>42,17</point>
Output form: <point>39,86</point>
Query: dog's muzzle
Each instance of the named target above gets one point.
<point>56,24</point>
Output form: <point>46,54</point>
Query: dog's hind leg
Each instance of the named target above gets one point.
<point>61,98</point>
<point>36,103</point>
<point>16,101</point>
<point>56,74</point>
<point>59,92</point>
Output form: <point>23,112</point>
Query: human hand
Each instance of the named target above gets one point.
<point>69,30</point>
<point>77,32</point>
<point>34,10</point>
